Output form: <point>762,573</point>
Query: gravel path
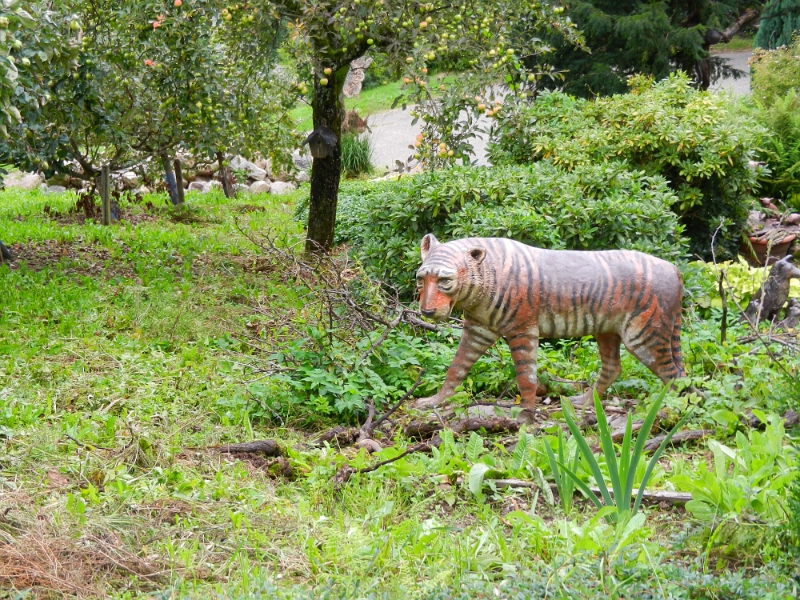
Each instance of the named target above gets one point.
<point>393,133</point>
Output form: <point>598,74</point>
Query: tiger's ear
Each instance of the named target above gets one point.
<point>428,245</point>
<point>477,254</point>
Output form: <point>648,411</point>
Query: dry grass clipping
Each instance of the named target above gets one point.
<point>52,566</point>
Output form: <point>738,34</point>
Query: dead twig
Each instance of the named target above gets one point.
<point>398,404</point>
<point>677,498</point>
<point>265,447</point>
<point>679,438</point>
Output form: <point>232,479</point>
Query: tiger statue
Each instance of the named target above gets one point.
<point>524,294</point>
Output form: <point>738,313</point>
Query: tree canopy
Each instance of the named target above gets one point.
<point>625,37</point>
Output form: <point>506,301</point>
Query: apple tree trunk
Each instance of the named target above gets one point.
<point>328,110</point>
<point>169,177</point>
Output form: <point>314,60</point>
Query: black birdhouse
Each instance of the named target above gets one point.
<point>321,141</point>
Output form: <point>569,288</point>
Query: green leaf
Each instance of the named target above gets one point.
<point>475,478</point>
<point>588,456</point>
<point>521,451</point>
<point>474,447</point>
<point>607,444</point>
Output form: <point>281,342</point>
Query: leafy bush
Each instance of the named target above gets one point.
<point>753,478</point>
<point>775,72</point>
<point>590,208</point>
<point>689,137</point>
<point>781,147</point>
<point>356,155</point>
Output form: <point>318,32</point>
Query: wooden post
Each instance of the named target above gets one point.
<point>105,195</point>
<point>179,180</point>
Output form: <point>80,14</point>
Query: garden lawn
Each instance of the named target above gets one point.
<point>125,354</point>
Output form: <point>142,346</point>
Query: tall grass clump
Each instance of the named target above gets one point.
<point>356,155</point>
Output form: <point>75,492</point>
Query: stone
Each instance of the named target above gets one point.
<point>303,177</point>
<point>242,188</point>
<point>197,186</point>
<point>60,179</point>
<point>23,181</point>
<point>301,160</point>
<point>260,187</point>
<point>238,163</point>
<point>56,189</point>
<point>282,187</point>
<point>266,164</point>
<point>142,190</point>
<point>129,180</point>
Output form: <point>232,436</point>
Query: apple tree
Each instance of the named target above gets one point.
<point>151,78</point>
<point>326,35</point>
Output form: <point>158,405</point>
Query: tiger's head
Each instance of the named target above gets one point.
<point>449,276</point>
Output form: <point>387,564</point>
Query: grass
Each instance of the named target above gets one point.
<point>123,358</point>
<point>739,43</point>
<point>369,102</point>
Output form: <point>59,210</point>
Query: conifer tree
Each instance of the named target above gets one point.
<point>625,37</point>
<point>779,22</point>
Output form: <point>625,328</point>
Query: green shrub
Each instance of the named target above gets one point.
<point>691,138</point>
<point>781,148</point>
<point>592,207</point>
<point>775,72</point>
<point>356,155</point>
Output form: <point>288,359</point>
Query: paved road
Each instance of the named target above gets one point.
<point>738,60</point>
<point>393,133</point>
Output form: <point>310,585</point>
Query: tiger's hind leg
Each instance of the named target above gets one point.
<point>608,347</point>
<point>653,345</point>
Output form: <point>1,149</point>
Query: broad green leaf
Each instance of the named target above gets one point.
<point>476,476</point>
<point>474,447</point>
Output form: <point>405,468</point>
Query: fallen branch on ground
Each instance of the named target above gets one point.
<point>678,498</point>
<point>422,429</point>
<point>266,447</point>
<point>679,438</point>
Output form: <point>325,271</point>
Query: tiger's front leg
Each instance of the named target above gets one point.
<point>524,347</point>
<point>475,340</point>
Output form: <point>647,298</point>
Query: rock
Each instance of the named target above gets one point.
<point>303,177</point>
<point>302,161</point>
<point>241,188</point>
<point>56,189</point>
<point>260,187</point>
<point>23,181</point>
<point>204,186</point>
<point>282,187</point>
<point>60,179</point>
<point>238,163</point>
<point>142,190</point>
<point>129,180</point>
<point>264,163</point>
